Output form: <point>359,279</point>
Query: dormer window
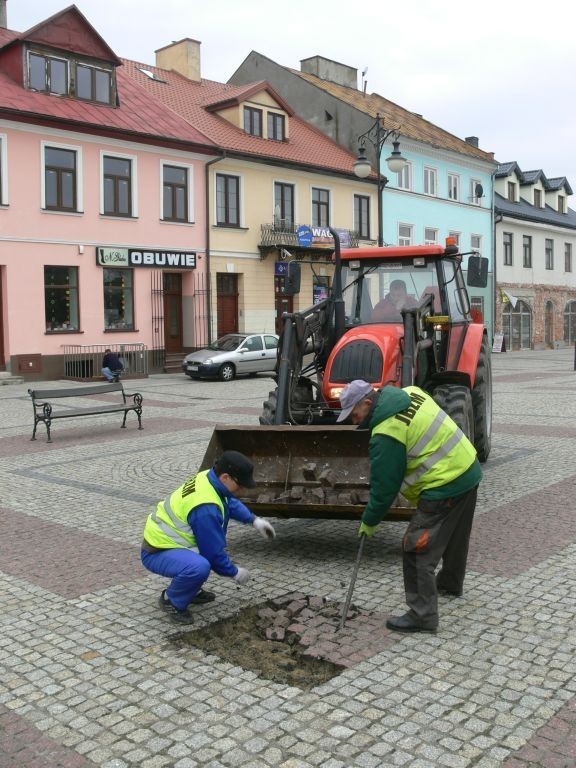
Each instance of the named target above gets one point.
<point>93,84</point>
<point>48,73</point>
<point>538,198</point>
<point>253,121</point>
<point>512,191</point>
<point>276,126</point>
<point>71,77</point>
<point>561,204</point>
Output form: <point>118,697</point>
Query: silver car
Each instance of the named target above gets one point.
<point>232,355</point>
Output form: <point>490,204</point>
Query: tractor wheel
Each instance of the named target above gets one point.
<point>269,409</point>
<point>456,401</point>
<point>482,402</point>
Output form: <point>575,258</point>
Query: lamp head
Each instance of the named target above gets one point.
<point>396,162</point>
<point>362,167</point>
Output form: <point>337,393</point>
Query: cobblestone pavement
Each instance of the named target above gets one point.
<point>89,677</point>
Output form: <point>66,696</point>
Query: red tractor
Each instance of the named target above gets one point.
<point>397,315</point>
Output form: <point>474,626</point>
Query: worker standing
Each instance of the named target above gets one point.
<point>417,450</point>
<point>185,538</point>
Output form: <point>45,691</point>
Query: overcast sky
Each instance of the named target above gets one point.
<point>502,70</point>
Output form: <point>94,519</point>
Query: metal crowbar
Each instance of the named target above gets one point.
<point>352,582</point>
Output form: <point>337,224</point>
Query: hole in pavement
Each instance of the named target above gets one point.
<point>292,639</point>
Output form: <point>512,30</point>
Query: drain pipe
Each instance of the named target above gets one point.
<point>207,208</point>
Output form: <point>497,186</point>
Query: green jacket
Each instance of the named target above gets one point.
<point>388,461</point>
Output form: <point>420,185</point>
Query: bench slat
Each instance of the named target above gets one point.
<point>93,389</point>
<point>91,411</point>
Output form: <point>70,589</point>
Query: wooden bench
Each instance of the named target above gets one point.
<point>44,407</point>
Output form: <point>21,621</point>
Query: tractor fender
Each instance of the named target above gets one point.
<point>468,361</point>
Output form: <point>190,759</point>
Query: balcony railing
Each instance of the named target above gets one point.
<point>282,234</point>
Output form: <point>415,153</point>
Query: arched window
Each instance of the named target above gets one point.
<point>517,325</point>
<point>570,322</point>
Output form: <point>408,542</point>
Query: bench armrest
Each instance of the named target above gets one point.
<point>136,396</point>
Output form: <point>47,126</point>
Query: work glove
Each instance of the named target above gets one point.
<point>242,577</point>
<point>264,528</point>
<point>366,530</point>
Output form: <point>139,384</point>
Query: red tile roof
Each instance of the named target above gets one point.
<point>193,100</point>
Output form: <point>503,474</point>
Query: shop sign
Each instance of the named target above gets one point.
<point>132,257</point>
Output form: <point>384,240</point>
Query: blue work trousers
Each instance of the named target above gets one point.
<point>187,569</point>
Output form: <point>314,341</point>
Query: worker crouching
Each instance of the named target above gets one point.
<point>417,450</point>
<point>185,538</point>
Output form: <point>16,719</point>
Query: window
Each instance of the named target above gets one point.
<point>59,179</point>
<point>456,237</point>
<point>475,191</point>
<point>362,216</point>
<point>270,342</point>
<point>320,207</point>
<point>476,242</point>
<point>253,121</point>
<point>538,198</point>
<point>549,253</point>
<point>512,191</point>
<point>405,234</point>
<point>453,186</point>
<point>118,299</point>
<point>430,181</point>
<point>507,238</point>
<point>517,325</point>
<point>93,84</point>
<point>276,126</point>
<point>561,204</point>
<point>430,236</point>
<point>47,73</point>
<point>527,250</point>
<point>174,193</point>
<point>405,177</point>
<point>227,200</point>
<point>117,186</point>
<point>61,299</point>
<point>283,204</point>
<point>570,322</point>
<point>567,257</point>
<point>320,288</point>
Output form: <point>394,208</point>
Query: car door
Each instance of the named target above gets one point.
<point>271,348</point>
<point>251,355</point>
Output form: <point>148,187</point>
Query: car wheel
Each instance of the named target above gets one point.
<point>226,372</point>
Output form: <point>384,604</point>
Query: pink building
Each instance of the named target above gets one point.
<point>102,209</point>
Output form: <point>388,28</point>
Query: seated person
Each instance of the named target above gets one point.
<point>389,307</point>
<point>111,366</point>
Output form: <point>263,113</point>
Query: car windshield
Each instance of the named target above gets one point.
<point>227,343</point>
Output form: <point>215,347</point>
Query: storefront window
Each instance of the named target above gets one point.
<point>118,299</point>
<point>570,322</point>
<point>61,298</point>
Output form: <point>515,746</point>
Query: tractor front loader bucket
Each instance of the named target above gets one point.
<point>303,471</point>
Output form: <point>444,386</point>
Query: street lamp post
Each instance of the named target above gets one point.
<point>378,135</point>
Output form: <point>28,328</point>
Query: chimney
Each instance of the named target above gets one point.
<point>326,69</point>
<point>182,56</point>
<point>3,17</point>
<point>473,140</point>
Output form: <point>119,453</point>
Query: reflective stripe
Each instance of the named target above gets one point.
<point>428,435</point>
<point>180,527</point>
<point>434,458</point>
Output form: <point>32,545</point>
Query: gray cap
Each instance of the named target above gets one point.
<point>351,395</point>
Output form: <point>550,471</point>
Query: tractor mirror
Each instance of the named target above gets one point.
<point>292,284</point>
<point>477,272</point>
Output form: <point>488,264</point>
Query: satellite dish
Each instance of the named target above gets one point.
<point>478,190</point>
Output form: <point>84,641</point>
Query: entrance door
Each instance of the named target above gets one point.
<point>172,282</point>
<point>549,324</point>
<point>283,303</point>
<point>227,302</point>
